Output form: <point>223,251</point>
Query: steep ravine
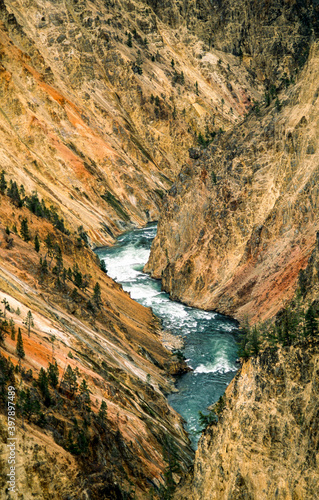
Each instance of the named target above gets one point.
<point>99,103</point>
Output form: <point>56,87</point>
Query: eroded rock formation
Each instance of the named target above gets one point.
<point>240,221</point>
<point>265,444</point>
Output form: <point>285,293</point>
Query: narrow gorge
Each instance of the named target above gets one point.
<point>158,187</point>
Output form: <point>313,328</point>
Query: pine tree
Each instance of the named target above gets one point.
<point>3,325</point>
<point>3,182</point>
<point>102,415</point>
<point>36,243</point>
<point>97,299</point>
<point>19,347</point>
<point>6,307</point>
<point>103,266</point>
<point>70,378</point>
<point>58,268</point>
<point>44,269</point>
<point>85,395</point>
<point>77,276</point>
<point>255,341</point>
<point>129,40</point>
<point>28,322</point>
<point>311,323</point>
<point>53,374</point>
<point>13,331</point>
<point>14,194</point>
<point>44,386</point>
<point>24,231</point>
<point>243,340</point>
<point>28,404</point>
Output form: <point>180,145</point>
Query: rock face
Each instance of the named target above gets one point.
<point>64,450</point>
<point>240,221</point>
<point>265,444</point>
<point>272,38</point>
<point>100,103</point>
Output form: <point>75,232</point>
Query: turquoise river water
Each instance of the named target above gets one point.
<point>210,338</point>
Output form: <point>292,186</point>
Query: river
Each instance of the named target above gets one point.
<point>209,338</point>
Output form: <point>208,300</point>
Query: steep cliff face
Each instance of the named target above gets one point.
<point>272,38</point>
<point>99,103</point>
<point>265,444</point>
<point>240,221</point>
<point>106,348</point>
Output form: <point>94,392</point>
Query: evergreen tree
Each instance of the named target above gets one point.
<point>70,378</point>
<point>103,266</point>
<point>19,347</point>
<point>243,340</point>
<point>14,194</point>
<point>129,40</point>
<point>83,235</point>
<point>3,325</point>
<point>13,331</point>
<point>255,341</point>
<point>77,276</point>
<point>102,413</point>
<point>6,307</point>
<point>53,374</point>
<point>85,396</point>
<point>3,182</point>
<point>97,299</point>
<point>28,404</point>
<point>24,231</point>
<point>28,322</point>
<point>44,386</point>
<point>311,323</point>
<point>44,268</point>
<point>36,243</point>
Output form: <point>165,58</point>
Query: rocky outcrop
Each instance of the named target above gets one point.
<point>240,221</point>
<point>265,444</point>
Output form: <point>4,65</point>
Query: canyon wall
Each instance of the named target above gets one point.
<point>240,221</point>
<point>99,103</point>
<point>111,348</point>
<point>265,444</point>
